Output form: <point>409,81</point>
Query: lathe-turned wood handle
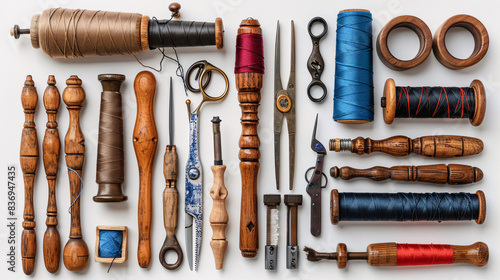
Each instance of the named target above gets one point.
<point>76,252</point>
<point>51,154</point>
<point>437,173</point>
<point>249,85</point>
<point>29,164</point>
<point>219,216</point>
<point>145,139</point>
<point>385,254</point>
<point>440,146</point>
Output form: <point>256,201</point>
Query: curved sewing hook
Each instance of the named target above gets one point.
<point>315,63</point>
<point>171,244</point>
<point>322,173</point>
<point>208,68</point>
<point>199,65</point>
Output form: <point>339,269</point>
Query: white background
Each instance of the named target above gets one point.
<point>19,59</point>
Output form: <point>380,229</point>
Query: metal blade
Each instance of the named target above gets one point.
<point>277,139</point>
<point>277,73</point>
<point>291,79</point>
<point>197,243</point>
<point>189,238</point>
<point>171,115</point>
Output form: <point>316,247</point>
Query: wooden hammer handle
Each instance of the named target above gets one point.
<point>437,173</point>
<point>145,139</point>
<point>440,146</point>
<point>29,164</point>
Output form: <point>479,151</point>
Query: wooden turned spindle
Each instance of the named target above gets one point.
<point>219,216</point>
<point>386,254</point>
<point>452,174</point>
<point>76,252</point>
<point>249,85</point>
<point>439,146</point>
<point>51,154</point>
<point>29,163</point>
<point>145,138</point>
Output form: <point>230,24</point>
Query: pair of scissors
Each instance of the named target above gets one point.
<point>194,194</point>
<point>315,63</point>
<point>284,107</point>
<point>314,185</point>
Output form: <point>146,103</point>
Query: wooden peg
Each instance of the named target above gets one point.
<point>439,146</point>
<point>51,154</point>
<point>175,7</point>
<point>437,173</point>
<point>76,252</point>
<point>29,164</point>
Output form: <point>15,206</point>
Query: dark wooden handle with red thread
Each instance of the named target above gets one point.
<point>249,85</point>
<point>145,138</point>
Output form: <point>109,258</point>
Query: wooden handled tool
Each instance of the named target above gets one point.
<point>249,85</point>
<point>439,146</point>
<point>292,202</point>
<point>218,216</point>
<point>145,143</point>
<point>76,252</point>
<point>29,163</point>
<point>51,153</point>
<point>452,174</point>
<point>393,254</point>
<point>170,195</point>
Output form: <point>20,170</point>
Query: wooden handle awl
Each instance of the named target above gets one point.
<point>440,146</point>
<point>29,164</point>
<point>145,139</point>
<point>436,173</point>
<point>219,216</point>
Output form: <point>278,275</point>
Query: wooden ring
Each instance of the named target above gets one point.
<point>480,101</point>
<point>424,36</point>
<point>482,208</point>
<point>219,33</point>
<point>478,31</point>
<point>334,207</point>
<point>284,103</point>
<point>388,101</point>
<point>342,255</point>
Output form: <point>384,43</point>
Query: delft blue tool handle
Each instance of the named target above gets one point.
<point>193,199</point>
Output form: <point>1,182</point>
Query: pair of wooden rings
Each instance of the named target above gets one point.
<point>427,42</point>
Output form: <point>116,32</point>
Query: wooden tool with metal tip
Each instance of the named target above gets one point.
<point>51,153</point>
<point>218,216</point>
<point>170,194</point>
<point>249,85</point>
<point>145,138</point>
<point>452,174</point>
<point>292,201</point>
<point>386,254</point>
<point>439,146</point>
<point>29,164</point>
<point>76,252</point>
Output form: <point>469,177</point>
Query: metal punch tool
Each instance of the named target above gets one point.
<point>314,185</point>
<point>315,63</point>
<point>194,195</point>
<point>284,107</point>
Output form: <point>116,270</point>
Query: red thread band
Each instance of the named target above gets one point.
<point>423,254</point>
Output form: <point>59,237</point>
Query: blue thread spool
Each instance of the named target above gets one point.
<point>353,96</point>
<point>407,207</point>
<point>111,244</point>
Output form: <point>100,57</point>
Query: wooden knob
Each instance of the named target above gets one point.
<point>476,254</point>
<point>478,31</point>
<point>76,254</point>
<point>174,8</point>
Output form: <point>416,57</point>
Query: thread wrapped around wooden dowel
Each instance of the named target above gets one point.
<point>407,207</point>
<point>110,172</point>
<point>434,102</point>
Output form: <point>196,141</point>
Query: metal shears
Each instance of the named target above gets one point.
<point>193,177</point>
<point>284,107</point>
<point>314,184</point>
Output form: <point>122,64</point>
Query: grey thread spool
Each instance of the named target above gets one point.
<point>110,153</point>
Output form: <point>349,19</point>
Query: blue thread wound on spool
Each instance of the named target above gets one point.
<point>110,243</point>
<point>408,206</point>
<point>353,96</point>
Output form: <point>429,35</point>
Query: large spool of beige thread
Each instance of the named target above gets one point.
<point>68,33</point>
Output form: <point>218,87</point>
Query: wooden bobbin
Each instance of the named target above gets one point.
<point>424,36</point>
<point>389,102</point>
<point>335,207</point>
<point>478,31</point>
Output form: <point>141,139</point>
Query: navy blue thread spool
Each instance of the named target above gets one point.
<point>111,244</point>
<point>353,96</point>
<point>434,102</point>
<point>407,207</point>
